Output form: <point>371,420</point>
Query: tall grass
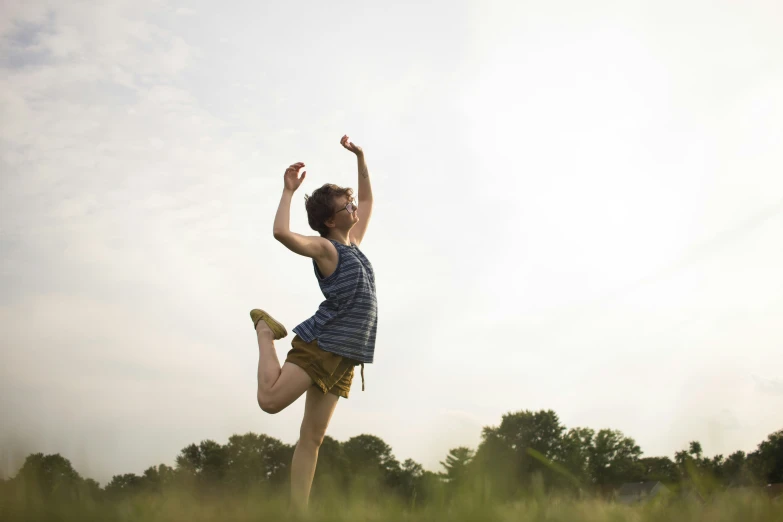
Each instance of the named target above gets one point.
<point>265,504</point>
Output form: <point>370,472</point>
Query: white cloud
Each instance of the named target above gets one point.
<point>769,386</point>
<point>18,13</point>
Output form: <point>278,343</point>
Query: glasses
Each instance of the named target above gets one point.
<point>350,207</point>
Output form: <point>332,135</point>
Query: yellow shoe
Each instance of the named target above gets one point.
<point>277,329</point>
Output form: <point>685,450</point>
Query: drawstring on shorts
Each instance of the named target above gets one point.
<point>362,376</point>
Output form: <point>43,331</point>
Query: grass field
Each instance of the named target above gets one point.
<point>739,507</point>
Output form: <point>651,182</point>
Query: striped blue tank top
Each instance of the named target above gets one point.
<point>346,322</point>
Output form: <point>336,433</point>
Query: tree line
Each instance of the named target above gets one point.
<point>527,450</point>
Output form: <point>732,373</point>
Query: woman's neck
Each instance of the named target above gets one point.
<point>340,237</point>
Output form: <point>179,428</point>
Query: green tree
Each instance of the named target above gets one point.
<point>523,445</point>
<point>456,464</point>
<point>574,454</point>
<point>253,459</point>
<point>409,479</point>
<point>214,461</point>
<point>613,457</point>
<point>661,469</point>
<point>737,470</point>
<point>694,449</point>
<point>156,478</point>
<point>124,485</point>
<point>372,464</point>
<point>692,461</point>
<point>429,488</point>
<point>189,460</point>
<point>49,475</point>
<point>494,468</point>
<point>699,474</point>
<point>207,463</point>
<point>714,466</point>
<point>767,460</point>
<point>369,454</point>
<point>733,465</point>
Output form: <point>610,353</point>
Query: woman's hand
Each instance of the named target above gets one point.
<point>291,178</point>
<point>348,144</point>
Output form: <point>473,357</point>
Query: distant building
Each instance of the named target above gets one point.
<point>632,492</point>
<point>774,491</point>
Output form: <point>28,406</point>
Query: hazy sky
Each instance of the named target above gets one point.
<point>579,206</point>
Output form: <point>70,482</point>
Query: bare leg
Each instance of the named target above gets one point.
<point>319,408</point>
<point>277,387</point>
<point>268,363</point>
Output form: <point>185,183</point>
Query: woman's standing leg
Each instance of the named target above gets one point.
<point>319,408</point>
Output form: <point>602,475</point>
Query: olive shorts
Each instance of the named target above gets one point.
<point>332,373</point>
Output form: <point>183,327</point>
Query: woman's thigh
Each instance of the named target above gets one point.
<point>291,384</point>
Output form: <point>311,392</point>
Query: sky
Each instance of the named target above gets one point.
<point>578,207</point>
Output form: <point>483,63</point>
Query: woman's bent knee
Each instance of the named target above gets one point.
<point>268,404</point>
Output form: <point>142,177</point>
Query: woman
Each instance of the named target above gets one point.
<point>341,334</point>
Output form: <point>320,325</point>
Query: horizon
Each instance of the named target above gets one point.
<point>18,459</point>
